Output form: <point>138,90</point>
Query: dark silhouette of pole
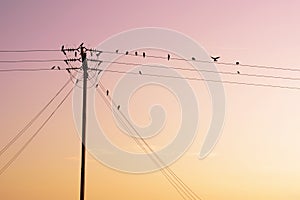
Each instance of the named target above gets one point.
<point>83,150</point>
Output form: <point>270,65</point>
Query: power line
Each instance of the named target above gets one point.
<point>184,188</point>
<point>170,180</point>
<point>200,61</point>
<point>29,50</point>
<point>198,70</point>
<point>20,133</point>
<point>32,61</point>
<point>36,69</point>
<point>203,79</point>
<point>8,164</point>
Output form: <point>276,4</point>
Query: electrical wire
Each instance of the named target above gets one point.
<point>32,61</point>
<point>21,132</point>
<point>29,50</point>
<point>8,164</point>
<point>201,61</point>
<point>169,179</point>
<point>184,188</point>
<point>198,70</point>
<point>203,79</point>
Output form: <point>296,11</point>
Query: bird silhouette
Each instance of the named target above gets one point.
<point>136,53</point>
<point>75,53</point>
<point>169,56</point>
<point>126,53</point>
<point>140,72</point>
<point>63,49</point>
<point>193,58</point>
<point>68,70</point>
<point>97,85</point>
<point>215,59</point>
<point>117,51</point>
<point>238,72</point>
<point>237,62</point>
<point>144,54</point>
<point>107,92</point>
<point>58,67</point>
<point>118,107</point>
<point>53,67</point>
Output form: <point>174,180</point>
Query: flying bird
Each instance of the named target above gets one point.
<point>144,54</point>
<point>215,58</point>
<point>107,92</point>
<point>169,56</point>
<point>136,53</point>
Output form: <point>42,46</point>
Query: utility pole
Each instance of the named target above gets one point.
<point>84,68</point>
<point>83,150</point>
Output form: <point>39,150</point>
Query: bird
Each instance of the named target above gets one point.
<point>53,67</point>
<point>68,70</point>
<point>237,62</point>
<point>97,85</point>
<point>169,56</point>
<point>144,54</point>
<point>140,72</point>
<point>63,49</point>
<point>75,53</point>
<point>193,58</point>
<point>238,72</point>
<point>107,92</point>
<point>58,67</point>
<point>118,107</point>
<point>117,51</point>
<point>126,53</point>
<point>136,53</point>
<point>215,58</point>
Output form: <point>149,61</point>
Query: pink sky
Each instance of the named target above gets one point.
<point>258,153</point>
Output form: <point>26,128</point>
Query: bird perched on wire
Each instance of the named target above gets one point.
<point>107,92</point>
<point>117,51</point>
<point>118,107</point>
<point>193,58</point>
<point>169,56</point>
<point>215,59</point>
<point>53,67</point>
<point>136,53</point>
<point>126,53</point>
<point>140,72</point>
<point>58,67</point>
<point>237,62</point>
<point>144,54</point>
<point>238,72</point>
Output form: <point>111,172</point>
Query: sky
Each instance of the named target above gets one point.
<point>255,158</point>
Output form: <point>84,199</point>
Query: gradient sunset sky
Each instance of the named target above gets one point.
<point>257,156</point>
